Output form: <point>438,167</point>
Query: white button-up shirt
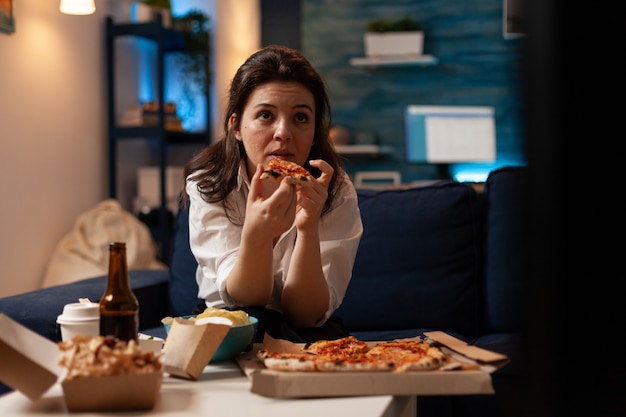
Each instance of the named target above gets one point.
<point>215,243</point>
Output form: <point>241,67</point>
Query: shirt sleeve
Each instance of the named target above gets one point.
<point>214,241</point>
<point>340,232</point>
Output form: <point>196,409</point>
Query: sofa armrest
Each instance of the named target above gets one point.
<point>38,309</point>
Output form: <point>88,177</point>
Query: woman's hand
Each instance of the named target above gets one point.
<point>311,200</point>
<point>271,206</point>
<point>305,291</point>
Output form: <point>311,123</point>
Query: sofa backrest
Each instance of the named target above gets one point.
<point>419,261</point>
<point>506,260</point>
<point>183,287</point>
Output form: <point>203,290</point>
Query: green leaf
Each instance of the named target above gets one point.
<point>405,24</point>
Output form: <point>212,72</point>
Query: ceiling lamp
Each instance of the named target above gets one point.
<point>80,7</point>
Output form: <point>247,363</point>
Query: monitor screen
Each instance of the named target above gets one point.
<point>449,134</point>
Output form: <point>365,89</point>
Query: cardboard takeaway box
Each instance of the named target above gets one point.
<point>187,350</point>
<point>29,363</point>
<point>190,345</point>
<point>471,375</point>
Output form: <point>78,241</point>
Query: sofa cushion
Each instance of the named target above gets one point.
<point>506,258</point>
<point>38,309</point>
<point>418,265</point>
<point>375,335</point>
<point>183,286</point>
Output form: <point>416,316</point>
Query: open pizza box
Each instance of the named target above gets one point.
<point>469,372</point>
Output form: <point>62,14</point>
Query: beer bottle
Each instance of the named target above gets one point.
<point>119,308</point>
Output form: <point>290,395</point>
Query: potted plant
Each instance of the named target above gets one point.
<point>387,37</point>
<point>149,8</point>
<point>161,4</point>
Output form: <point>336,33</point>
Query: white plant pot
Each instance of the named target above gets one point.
<point>394,43</point>
<point>144,13</point>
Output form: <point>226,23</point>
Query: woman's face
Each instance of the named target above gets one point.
<point>278,121</point>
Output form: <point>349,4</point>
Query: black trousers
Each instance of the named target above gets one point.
<point>276,325</point>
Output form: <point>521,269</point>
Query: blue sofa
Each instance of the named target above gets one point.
<point>446,256</point>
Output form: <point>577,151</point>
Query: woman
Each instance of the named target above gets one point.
<point>283,252</point>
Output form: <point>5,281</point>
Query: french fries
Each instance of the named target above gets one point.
<point>87,356</point>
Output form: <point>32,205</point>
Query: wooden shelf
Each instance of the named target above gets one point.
<point>172,40</point>
<point>373,150</point>
<point>394,61</point>
<point>165,41</point>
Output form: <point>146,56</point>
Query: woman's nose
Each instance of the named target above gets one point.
<point>282,130</point>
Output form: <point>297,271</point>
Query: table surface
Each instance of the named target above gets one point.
<point>222,389</point>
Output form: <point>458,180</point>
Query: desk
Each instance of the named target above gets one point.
<point>222,390</point>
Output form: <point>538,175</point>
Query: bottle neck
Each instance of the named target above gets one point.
<point>118,270</point>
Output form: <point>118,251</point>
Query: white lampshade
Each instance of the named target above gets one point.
<point>80,7</point>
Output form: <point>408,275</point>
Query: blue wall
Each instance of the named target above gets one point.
<point>477,67</point>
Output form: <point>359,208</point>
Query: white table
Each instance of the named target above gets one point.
<point>222,390</point>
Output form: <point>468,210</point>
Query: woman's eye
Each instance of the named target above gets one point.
<point>265,115</point>
<point>301,117</point>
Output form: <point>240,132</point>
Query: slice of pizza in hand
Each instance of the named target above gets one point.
<point>277,169</point>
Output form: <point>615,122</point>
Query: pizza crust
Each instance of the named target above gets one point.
<point>290,364</point>
<point>348,366</point>
<point>424,364</point>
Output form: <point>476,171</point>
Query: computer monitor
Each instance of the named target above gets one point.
<point>450,134</point>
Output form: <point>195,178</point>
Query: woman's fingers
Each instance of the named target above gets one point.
<point>325,168</point>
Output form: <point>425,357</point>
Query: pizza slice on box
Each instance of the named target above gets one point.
<point>349,354</point>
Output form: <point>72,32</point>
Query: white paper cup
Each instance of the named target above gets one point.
<point>79,318</point>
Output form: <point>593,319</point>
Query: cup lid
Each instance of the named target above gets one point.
<point>80,312</point>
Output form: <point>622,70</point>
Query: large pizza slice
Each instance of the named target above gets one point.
<point>277,169</point>
<point>408,355</point>
<point>349,354</point>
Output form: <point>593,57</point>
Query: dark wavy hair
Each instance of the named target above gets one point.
<point>215,167</point>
